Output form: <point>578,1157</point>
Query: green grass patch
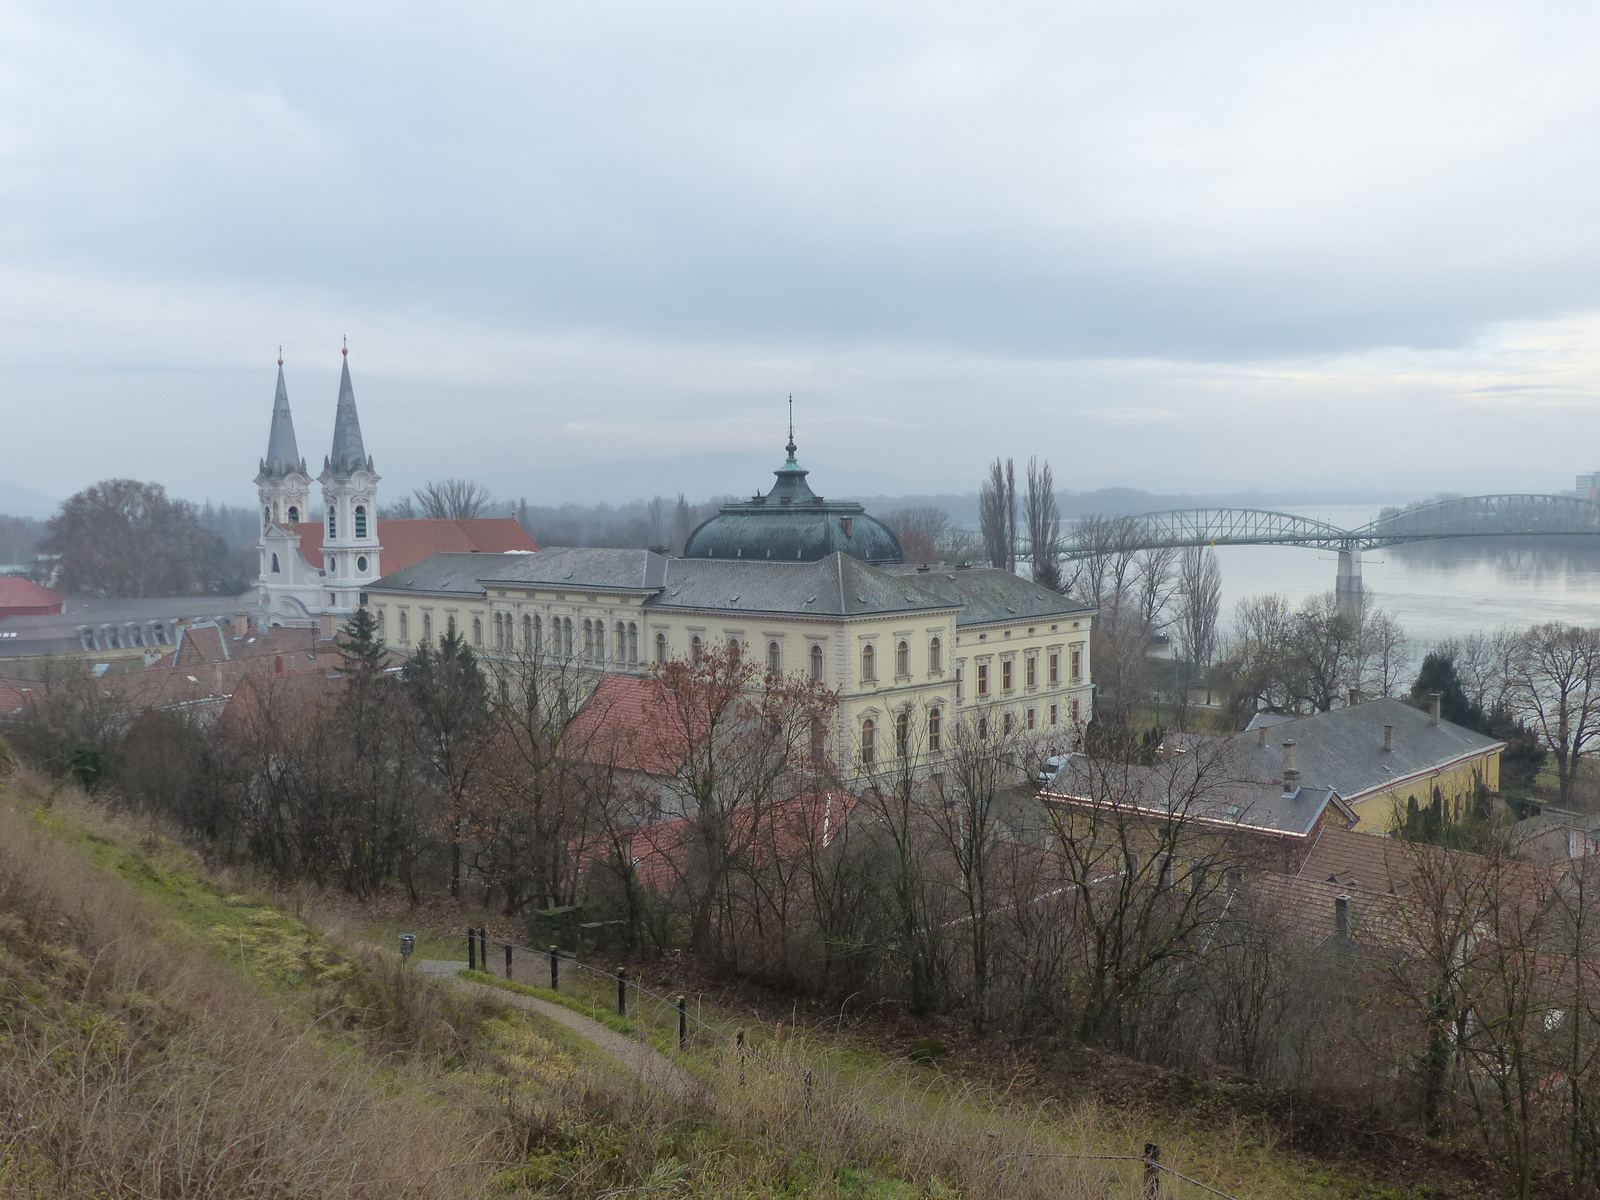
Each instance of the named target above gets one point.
<point>610,1020</point>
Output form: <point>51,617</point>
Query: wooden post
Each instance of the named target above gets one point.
<point>622,991</point>
<point>555,969</point>
<point>1152,1171</point>
<point>483,947</point>
<point>472,949</point>
<point>508,960</point>
<point>683,1023</point>
<point>808,1089</point>
<point>739,1038</point>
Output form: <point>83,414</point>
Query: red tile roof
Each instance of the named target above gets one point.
<point>624,724</point>
<point>24,598</point>
<point>406,542</point>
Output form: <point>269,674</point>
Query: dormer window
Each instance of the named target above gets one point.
<point>361,522</point>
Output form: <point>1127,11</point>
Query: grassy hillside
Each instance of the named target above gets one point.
<point>174,1032</point>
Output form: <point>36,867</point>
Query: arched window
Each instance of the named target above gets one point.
<point>275,568</point>
<point>902,734</point>
<point>477,631</point>
<point>588,638</point>
<point>450,625</point>
<point>405,629</point>
<point>499,633</point>
<point>427,628</point>
<point>935,656</point>
<point>565,624</point>
<point>661,648</point>
<point>869,742</point>
<point>333,524</point>
<point>774,658</point>
<point>383,621</point>
<point>620,632</point>
<point>869,667</point>
<point>294,514</point>
<point>902,661</point>
<point>361,520</point>
<point>935,730</point>
<point>633,642</point>
<point>733,652</point>
<point>695,648</point>
<point>529,638</point>
<point>816,663</point>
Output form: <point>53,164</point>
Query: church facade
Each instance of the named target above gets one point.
<point>311,571</point>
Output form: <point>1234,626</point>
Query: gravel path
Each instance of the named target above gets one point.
<point>648,1063</point>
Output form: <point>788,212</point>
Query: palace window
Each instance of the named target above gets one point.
<point>450,625</point>
<point>383,621</point>
<point>983,728</point>
<point>935,730</point>
<point>774,658</point>
<point>983,679</point>
<point>427,627</point>
<point>405,629</point>
<point>1055,667</point>
<point>620,632</point>
<point>477,632</point>
<point>633,643</point>
<point>902,734</point>
<point>816,663</point>
<point>869,742</point>
<point>902,661</point>
<point>530,642</point>
<point>1074,711</point>
<point>696,649</point>
<point>869,668</point>
<point>1054,713</point>
<point>935,656</point>
<point>661,648</point>
<point>733,652</point>
<point>1030,718</point>
<point>1006,723</point>
<point>566,636</point>
<point>1077,664</point>
<point>275,567</point>
<point>1005,675</point>
<point>361,521</point>
<point>1031,671</point>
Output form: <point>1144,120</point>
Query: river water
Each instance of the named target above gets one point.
<point>1436,590</point>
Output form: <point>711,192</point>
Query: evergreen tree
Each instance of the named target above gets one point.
<point>451,699</point>
<point>1438,674</point>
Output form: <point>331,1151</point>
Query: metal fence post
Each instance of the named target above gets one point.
<point>555,969</point>
<point>683,1023</point>
<point>1152,1171</point>
<point>622,991</point>
<point>508,960</point>
<point>472,949</point>
<point>483,947</point>
<point>739,1039</point>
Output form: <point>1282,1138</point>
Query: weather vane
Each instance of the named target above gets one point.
<point>790,446</point>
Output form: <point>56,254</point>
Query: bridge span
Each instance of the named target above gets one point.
<point>1510,515</point>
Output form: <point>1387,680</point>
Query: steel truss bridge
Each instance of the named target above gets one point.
<point>1468,516</point>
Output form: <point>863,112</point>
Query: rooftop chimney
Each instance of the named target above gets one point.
<point>328,626</point>
<point>1433,704</point>
<point>1291,770</point>
<point>1388,738</point>
<point>1355,697</point>
<point>1341,916</point>
<point>1263,732</point>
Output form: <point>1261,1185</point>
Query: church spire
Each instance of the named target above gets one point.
<point>283,456</point>
<point>349,454</point>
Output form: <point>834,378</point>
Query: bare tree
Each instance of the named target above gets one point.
<point>453,499</point>
<point>1199,606</point>
<point>1044,525</point>
<point>1556,685</point>
<point>997,514</point>
<point>922,531</point>
<point>683,523</point>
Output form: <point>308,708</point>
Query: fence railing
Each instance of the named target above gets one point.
<point>615,993</point>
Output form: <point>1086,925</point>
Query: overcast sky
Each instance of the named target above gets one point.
<point>1164,245</point>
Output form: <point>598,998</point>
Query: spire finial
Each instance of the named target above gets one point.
<point>791,446</point>
<point>346,350</point>
<point>280,356</point>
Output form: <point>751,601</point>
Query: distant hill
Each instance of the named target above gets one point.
<point>18,501</point>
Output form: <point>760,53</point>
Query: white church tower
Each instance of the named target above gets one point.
<point>284,489</point>
<point>350,546</point>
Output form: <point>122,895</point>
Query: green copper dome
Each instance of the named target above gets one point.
<point>791,523</point>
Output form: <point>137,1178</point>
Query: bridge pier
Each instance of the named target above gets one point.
<point>1347,584</point>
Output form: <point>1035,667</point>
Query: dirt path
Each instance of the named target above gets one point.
<point>648,1063</point>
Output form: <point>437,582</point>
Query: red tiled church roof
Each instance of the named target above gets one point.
<point>406,542</point>
<point>21,597</point>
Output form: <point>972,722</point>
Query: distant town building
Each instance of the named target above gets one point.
<point>24,598</point>
<point>314,570</point>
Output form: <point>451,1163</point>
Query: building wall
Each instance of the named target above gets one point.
<point>1456,783</point>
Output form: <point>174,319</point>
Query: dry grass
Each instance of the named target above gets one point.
<point>134,1066</point>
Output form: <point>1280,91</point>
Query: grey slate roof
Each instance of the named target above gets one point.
<point>990,594</point>
<point>835,586</point>
<point>1343,749</point>
<point>791,523</point>
<point>349,454</point>
<point>283,456</point>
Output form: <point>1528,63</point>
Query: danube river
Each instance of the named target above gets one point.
<point>1435,590</point>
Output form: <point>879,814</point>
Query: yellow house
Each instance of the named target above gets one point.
<point>1379,755</point>
<point>909,649</point>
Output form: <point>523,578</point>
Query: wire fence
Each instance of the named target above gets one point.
<point>667,1023</point>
